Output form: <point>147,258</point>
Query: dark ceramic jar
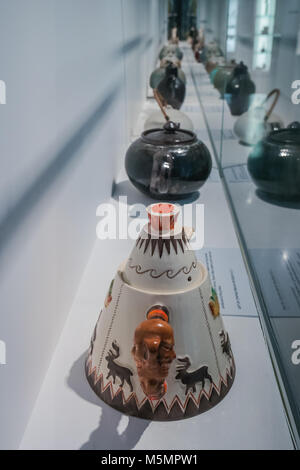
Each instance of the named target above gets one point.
<point>158,74</point>
<point>171,88</point>
<point>169,163</point>
<point>274,163</point>
<point>239,90</point>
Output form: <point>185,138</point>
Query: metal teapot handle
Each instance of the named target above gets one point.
<point>161,172</point>
<point>161,103</point>
<point>275,92</point>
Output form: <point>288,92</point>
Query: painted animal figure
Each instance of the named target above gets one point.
<point>115,369</point>
<point>190,379</point>
<point>225,343</point>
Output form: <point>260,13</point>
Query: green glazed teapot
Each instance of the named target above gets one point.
<point>274,163</point>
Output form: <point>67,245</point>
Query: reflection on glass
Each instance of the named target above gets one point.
<point>232,24</point>
<point>264,30</point>
<point>260,159</point>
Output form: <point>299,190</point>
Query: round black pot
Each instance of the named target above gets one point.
<point>274,163</point>
<point>168,163</point>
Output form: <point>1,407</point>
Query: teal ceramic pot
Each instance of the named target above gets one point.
<point>274,163</point>
<point>158,74</point>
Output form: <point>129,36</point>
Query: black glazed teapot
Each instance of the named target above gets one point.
<point>171,88</point>
<point>239,89</point>
<point>169,163</point>
<point>274,163</point>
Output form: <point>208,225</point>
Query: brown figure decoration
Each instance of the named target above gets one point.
<point>153,352</point>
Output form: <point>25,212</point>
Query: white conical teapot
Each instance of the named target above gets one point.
<point>159,349</point>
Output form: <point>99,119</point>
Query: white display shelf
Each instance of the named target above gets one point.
<point>269,232</point>
<point>68,415</point>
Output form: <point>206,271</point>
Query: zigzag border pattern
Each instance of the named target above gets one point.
<point>159,410</point>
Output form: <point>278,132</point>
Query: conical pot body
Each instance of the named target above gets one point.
<point>159,349</point>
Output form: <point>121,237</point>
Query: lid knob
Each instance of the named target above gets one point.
<point>171,126</point>
<point>162,217</point>
<point>294,125</point>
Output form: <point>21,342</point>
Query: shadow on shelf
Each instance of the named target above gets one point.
<point>125,188</point>
<point>106,435</point>
<point>277,202</point>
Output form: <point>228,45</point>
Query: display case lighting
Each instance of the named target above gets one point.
<point>264,34</point>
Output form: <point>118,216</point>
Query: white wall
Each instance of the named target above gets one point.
<point>144,28</point>
<point>74,71</point>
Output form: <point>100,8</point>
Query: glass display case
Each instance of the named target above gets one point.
<point>264,34</point>
<point>251,106</point>
<point>186,112</point>
<point>259,159</point>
